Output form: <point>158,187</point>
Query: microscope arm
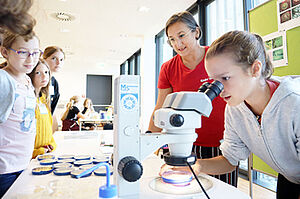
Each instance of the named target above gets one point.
<point>152,141</point>
<point>189,101</point>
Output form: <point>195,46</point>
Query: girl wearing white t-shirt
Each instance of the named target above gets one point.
<point>18,102</point>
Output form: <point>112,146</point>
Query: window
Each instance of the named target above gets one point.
<point>255,3</point>
<point>223,16</point>
<point>137,62</point>
<point>164,52</point>
<point>122,69</point>
<point>132,65</point>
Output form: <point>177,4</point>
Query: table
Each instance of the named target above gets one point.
<point>28,186</point>
<point>94,121</point>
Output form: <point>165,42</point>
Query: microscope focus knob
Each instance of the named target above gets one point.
<point>176,120</point>
<point>130,169</point>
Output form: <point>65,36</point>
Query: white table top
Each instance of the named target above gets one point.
<point>88,143</point>
<point>95,120</point>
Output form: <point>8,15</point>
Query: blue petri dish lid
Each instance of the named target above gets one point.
<point>62,165</point>
<point>45,156</point>
<point>62,171</point>
<point>66,160</point>
<point>86,166</point>
<point>48,161</point>
<point>41,170</point>
<point>101,157</point>
<point>82,157</point>
<point>98,160</point>
<point>177,177</point>
<point>82,162</point>
<point>61,157</point>
<point>74,173</point>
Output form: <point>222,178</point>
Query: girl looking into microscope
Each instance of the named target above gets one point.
<point>262,112</point>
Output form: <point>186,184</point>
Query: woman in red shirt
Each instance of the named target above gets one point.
<point>186,72</point>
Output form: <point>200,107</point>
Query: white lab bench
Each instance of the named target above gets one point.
<point>29,186</point>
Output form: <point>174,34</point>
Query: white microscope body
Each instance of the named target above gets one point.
<point>179,116</point>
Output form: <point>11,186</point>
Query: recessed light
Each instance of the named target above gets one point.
<point>64,30</point>
<point>143,9</point>
<point>63,16</point>
<point>123,35</point>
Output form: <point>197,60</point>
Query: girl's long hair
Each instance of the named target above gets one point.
<point>14,16</point>
<point>44,90</point>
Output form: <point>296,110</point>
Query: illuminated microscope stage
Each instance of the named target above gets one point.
<point>190,188</point>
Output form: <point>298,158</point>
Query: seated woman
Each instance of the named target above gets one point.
<point>71,115</point>
<point>88,112</point>
<point>44,141</point>
<point>88,107</point>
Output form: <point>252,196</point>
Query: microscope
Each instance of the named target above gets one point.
<point>179,116</point>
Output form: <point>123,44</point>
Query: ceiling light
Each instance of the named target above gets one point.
<point>69,53</point>
<point>64,30</point>
<point>123,35</point>
<point>143,9</point>
<point>62,16</point>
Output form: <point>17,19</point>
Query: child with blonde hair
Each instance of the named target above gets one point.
<point>18,102</point>
<point>262,112</point>
<point>44,141</point>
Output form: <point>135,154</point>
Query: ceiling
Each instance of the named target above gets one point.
<point>105,32</point>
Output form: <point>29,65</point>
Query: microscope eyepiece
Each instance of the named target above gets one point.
<point>212,90</point>
<point>203,87</point>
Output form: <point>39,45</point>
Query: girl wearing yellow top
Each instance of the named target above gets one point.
<point>44,141</point>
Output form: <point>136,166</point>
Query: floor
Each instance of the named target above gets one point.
<point>258,191</point>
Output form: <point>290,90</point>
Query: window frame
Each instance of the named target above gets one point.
<point>132,64</point>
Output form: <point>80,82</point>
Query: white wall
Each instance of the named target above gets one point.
<point>72,78</point>
<point>147,73</point>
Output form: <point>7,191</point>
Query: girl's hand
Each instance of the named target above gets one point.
<point>48,148</point>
